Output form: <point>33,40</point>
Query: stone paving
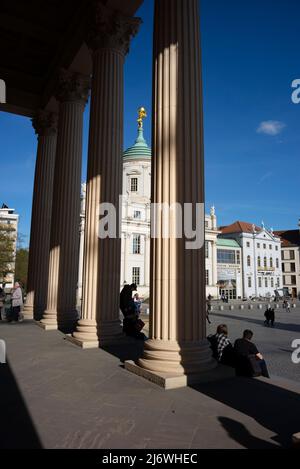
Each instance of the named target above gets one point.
<point>55,395</point>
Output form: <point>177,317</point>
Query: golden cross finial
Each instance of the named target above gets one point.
<point>142,115</point>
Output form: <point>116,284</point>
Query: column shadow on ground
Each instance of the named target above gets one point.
<point>273,407</point>
<point>278,325</point>
<point>17,430</point>
<point>129,349</point>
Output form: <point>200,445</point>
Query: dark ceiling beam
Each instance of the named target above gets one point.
<point>20,26</point>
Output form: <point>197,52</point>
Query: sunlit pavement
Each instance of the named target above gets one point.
<point>54,395</point>
<point>274,343</point>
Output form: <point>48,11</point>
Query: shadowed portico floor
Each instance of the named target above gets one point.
<point>55,395</point>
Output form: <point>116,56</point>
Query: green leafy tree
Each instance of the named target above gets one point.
<point>7,248</point>
<point>22,266</point>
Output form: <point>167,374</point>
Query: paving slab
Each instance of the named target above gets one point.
<point>55,395</point>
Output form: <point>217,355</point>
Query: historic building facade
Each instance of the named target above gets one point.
<point>136,218</point>
<point>9,219</point>
<point>261,258</point>
<point>290,259</point>
<point>229,269</point>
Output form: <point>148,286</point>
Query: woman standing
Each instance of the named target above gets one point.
<point>17,302</point>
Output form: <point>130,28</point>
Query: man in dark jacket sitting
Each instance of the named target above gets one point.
<point>250,361</point>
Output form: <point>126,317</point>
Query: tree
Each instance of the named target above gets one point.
<point>22,266</point>
<point>7,250</point>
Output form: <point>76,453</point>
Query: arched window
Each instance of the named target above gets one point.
<point>248,261</point>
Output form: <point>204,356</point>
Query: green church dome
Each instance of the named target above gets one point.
<point>140,149</point>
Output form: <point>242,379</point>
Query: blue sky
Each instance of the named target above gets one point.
<point>252,139</point>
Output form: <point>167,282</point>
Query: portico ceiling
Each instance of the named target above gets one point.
<point>37,38</point>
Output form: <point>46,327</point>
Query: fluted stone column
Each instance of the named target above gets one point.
<point>64,243</point>
<point>109,34</point>
<point>45,126</point>
<point>177,349</point>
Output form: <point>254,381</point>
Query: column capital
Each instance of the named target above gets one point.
<point>73,86</point>
<point>108,28</point>
<point>45,123</point>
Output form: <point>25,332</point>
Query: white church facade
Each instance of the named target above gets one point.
<point>136,216</point>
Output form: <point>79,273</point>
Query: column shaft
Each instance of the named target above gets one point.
<point>177,330</point>
<point>64,244</point>
<point>38,265</point>
<point>108,37</point>
<point>102,257</point>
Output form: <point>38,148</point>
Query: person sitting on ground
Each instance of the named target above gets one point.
<point>250,361</point>
<point>132,325</point>
<point>221,346</point>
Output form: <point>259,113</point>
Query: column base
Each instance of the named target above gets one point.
<point>89,332</point>
<point>64,321</point>
<point>28,311</point>
<point>47,327</point>
<point>175,381</point>
<point>84,344</point>
<point>179,358</point>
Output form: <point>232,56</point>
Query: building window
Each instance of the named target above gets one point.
<point>282,255</point>
<point>259,282</point>
<point>207,277</point>
<point>276,248</point>
<point>266,282</point>
<point>248,244</point>
<point>258,261</point>
<point>265,246</point>
<point>271,263</point>
<point>134,184</point>
<point>137,214</point>
<point>226,256</point>
<point>272,282</point>
<point>136,275</point>
<point>270,246</point>
<point>206,250</point>
<point>292,255</point>
<point>136,244</point>
<point>238,257</point>
<point>249,282</point>
<point>277,263</point>
<point>278,282</point>
<point>258,245</point>
<point>293,280</point>
<point>265,262</point>
<point>248,261</point>
<point>206,224</point>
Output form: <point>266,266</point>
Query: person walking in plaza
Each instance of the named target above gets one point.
<point>288,307</point>
<point>270,316</point>
<point>250,361</point>
<point>16,303</point>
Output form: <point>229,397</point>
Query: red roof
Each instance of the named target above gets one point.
<point>239,227</point>
<point>289,238</point>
